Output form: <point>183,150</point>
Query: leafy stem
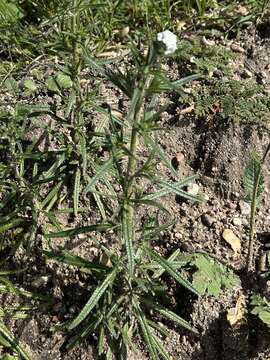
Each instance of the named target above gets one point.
<point>256,190</point>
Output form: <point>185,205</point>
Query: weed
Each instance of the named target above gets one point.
<point>232,100</point>
<point>132,276</point>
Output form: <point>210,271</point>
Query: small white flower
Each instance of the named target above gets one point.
<point>169,39</point>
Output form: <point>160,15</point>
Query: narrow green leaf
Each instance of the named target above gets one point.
<point>160,348</point>
<point>13,342</point>
<point>166,190</point>
<point>80,230</point>
<point>101,341</point>
<point>74,260</point>
<point>154,145</point>
<point>161,270</point>
<point>169,268</point>
<point>10,225</point>
<point>92,302</point>
<point>76,192</point>
<point>147,334</point>
<point>174,317</point>
<point>101,172</point>
<point>128,237</point>
<point>172,188</point>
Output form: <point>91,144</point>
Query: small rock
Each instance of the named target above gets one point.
<point>231,205</point>
<point>245,223</point>
<point>40,281</point>
<point>193,189</point>
<point>237,48</point>
<point>178,235</point>
<point>207,220</point>
<point>237,221</point>
<point>229,236</point>
<point>244,208</point>
<point>246,74</point>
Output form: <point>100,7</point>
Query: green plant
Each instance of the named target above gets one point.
<point>232,100</point>
<point>210,276</point>
<point>128,289</point>
<point>261,308</point>
<point>254,185</point>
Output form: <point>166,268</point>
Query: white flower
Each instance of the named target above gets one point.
<point>169,40</point>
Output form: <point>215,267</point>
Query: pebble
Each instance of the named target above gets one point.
<point>246,74</point>
<point>193,189</point>
<point>41,281</point>
<point>207,220</point>
<point>229,236</point>
<point>237,48</point>
<point>244,208</point>
<point>237,221</point>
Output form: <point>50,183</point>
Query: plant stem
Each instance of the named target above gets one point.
<point>252,223</point>
<point>127,219</point>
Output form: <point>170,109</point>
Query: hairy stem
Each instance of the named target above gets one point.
<point>127,220</point>
<point>252,220</point>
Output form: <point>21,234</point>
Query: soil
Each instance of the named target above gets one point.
<point>219,154</point>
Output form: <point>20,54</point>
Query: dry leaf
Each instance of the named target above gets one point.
<point>236,314</point>
<point>232,240</point>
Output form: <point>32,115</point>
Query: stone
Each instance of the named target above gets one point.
<point>193,189</point>
<point>207,220</point>
<point>246,74</point>
<point>244,208</point>
<point>237,221</point>
<point>237,48</point>
<point>229,236</point>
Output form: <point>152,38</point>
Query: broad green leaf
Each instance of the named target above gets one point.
<point>94,299</point>
<point>211,276</point>
<point>10,12</point>
<point>261,308</point>
<point>264,315</point>
<point>63,80</point>
<point>30,85</point>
